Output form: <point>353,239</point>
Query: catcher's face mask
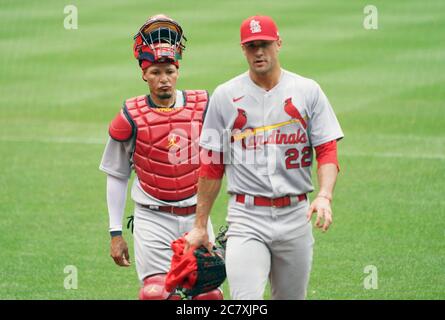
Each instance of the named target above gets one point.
<point>160,39</point>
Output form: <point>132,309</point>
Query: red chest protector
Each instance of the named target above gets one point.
<point>166,154</point>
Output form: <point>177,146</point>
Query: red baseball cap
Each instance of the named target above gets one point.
<point>258,28</point>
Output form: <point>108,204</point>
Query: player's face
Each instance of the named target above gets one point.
<point>161,79</point>
<point>262,55</point>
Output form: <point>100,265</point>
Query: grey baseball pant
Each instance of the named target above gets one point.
<point>154,232</point>
<point>267,243</point>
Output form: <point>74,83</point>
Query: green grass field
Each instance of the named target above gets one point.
<point>60,88</point>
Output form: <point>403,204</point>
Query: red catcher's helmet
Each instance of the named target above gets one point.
<point>160,39</point>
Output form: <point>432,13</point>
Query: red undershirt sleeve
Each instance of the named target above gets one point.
<point>212,166</point>
<point>327,153</point>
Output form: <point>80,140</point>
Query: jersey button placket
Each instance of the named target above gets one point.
<point>266,121</point>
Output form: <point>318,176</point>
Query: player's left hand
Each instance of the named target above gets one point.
<point>324,213</point>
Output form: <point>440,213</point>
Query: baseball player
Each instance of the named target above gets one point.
<point>264,125</point>
<point>157,135</point>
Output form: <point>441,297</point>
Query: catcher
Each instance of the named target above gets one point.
<point>157,135</point>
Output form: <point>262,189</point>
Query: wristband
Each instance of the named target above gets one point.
<point>324,196</point>
<point>115,233</point>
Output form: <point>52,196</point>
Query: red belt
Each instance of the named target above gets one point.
<point>182,211</point>
<point>271,202</point>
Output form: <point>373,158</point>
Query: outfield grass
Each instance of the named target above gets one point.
<point>60,88</point>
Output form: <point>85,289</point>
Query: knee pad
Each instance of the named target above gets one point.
<point>215,294</point>
<point>154,289</point>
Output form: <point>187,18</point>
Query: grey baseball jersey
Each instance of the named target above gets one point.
<point>267,139</point>
<point>274,157</point>
<point>117,161</point>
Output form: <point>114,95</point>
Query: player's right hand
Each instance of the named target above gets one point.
<point>197,237</point>
<point>119,251</point>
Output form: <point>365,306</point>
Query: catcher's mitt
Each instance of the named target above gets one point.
<point>211,271</point>
<point>198,271</point>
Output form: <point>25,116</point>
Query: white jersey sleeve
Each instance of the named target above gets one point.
<point>116,159</point>
<point>214,124</point>
<point>323,124</point>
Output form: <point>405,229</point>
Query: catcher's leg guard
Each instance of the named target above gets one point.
<point>215,294</point>
<point>154,289</point>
